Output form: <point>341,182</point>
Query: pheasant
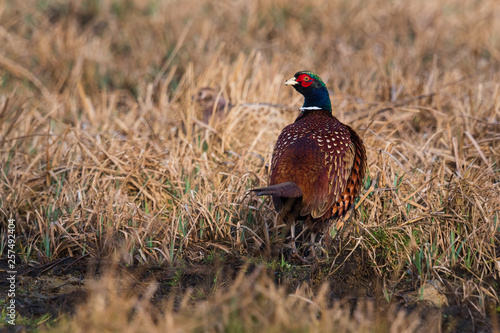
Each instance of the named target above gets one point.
<point>212,102</point>
<point>318,163</point>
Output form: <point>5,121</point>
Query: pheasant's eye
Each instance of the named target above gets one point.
<point>305,80</point>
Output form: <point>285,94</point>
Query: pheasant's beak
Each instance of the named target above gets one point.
<point>291,82</point>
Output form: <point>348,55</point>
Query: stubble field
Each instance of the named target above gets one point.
<point>134,214</point>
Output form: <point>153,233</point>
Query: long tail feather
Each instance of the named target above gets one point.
<point>285,190</point>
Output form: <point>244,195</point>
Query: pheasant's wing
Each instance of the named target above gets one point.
<point>297,159</point>
<point>337,170</point>
<point>356,176</point>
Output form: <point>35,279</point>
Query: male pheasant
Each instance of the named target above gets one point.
<point>318,163</point>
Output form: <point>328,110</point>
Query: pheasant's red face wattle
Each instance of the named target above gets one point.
<point>305,80</point>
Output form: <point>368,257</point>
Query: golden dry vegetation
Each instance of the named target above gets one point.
<point>103,155</point>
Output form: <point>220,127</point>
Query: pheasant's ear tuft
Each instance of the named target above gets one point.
<point>311,75</point>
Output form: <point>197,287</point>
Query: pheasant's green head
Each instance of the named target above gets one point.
<point>310,85</point>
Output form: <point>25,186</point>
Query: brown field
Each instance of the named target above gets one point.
<point>132,214</point>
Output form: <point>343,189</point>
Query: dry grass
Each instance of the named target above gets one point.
<point>251,303</point>
<point>102,149</point>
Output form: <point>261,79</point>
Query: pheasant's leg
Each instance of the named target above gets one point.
<point>294,248</point>
<point>313,244</point>
<point>292,232</point>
